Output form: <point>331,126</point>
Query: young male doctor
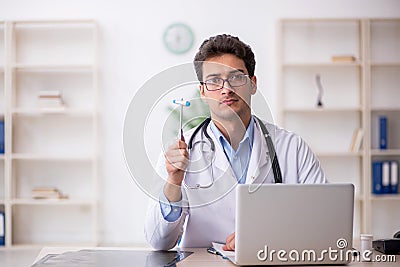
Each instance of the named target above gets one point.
<point>197,205</point>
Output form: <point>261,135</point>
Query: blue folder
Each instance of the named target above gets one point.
<point>382,132</point>
<point>2,228</point>
<point>377,177</point>
<point>2,143</point>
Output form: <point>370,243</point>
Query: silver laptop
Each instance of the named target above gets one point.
<point>282,224</point>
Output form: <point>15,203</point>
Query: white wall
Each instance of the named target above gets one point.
<point>131,51</point>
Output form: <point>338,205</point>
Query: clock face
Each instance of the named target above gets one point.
<point>178,38</point>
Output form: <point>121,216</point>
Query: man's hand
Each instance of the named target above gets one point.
<point>230,242</point>
<point>176,162</point>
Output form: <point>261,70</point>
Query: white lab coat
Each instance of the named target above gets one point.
<point>210,214</point>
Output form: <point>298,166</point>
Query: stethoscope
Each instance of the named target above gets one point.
<point>272,154</point>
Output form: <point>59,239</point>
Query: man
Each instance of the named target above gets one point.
<point>197,205</point>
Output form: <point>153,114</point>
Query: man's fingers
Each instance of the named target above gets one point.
<point>230,242</point>
<point>230,238</point>
<point>177,153</point>
<point>182,144</point>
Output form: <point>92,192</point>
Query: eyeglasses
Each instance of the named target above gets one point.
<point>217,83</point>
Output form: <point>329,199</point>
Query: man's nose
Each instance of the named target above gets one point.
<point>227,88</point>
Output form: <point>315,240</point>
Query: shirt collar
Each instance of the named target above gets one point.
<point>248,135</point>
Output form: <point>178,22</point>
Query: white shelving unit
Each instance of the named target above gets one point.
<point>49,147</point>
<point>354,94</point>
<point>383,83</point>
<point>2,108</point>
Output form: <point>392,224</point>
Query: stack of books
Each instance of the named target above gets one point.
<point>47,193</point>
<point>51,100</point>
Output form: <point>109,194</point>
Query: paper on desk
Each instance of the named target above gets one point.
<point>227,253</point>
<point>113,258</point>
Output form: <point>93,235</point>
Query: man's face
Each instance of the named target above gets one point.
<point>234,99</point>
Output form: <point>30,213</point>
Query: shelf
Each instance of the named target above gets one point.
<point>53,67</point>
<point>50,111</point>
<point>385,197</point>
<point>23,156</point>
<point>54,23</point>
<point>51,202</point>
<point>385,64</point>
<point>386,152</point>
<point>354,95</point>
<point>320,64</point>
<point>338,154</point>
<point>52,147</point>
<point>321,110</point>
<point>385,109</point>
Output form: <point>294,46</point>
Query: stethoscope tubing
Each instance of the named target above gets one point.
<point>272,153</point>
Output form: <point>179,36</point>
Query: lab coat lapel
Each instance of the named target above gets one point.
<point>259,165</point>
<point>222,174</point>
<point>221,163</point>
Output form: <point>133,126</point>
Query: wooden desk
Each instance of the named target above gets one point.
<point>201,257</point>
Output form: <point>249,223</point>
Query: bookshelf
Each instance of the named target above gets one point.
<point>383,84</point>
<point>49,147</point>
<point>355,94</point>
<point>2,110</point>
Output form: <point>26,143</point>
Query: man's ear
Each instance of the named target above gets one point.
<point>202,95</point>
<point>201,88</point>
<point>253,85</point>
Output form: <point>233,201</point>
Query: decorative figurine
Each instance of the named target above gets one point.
<point>320,90</point>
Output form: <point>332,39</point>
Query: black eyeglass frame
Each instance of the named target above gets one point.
<point>223,83</point>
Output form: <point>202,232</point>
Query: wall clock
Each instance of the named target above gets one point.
<point>178,38</point>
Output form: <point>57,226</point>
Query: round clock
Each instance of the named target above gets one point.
<point>178,38</point>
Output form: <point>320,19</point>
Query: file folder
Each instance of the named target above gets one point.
<point>386,177</point>
<point>377,177</point>
<point>2,228</point>
<point>382,132</point>
<point>2,143</point>
<point>394,177</point>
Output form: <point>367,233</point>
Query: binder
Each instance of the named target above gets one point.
<point>394,177</point>
<point>2,228</point>
<point>2,137</point>
<point>385,177</point>
<point>383,132</point>
<point>377,177</point>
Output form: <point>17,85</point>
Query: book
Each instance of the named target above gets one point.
<point>2,228</point>
<point>394,177</point>
<point>47,193</point>
<point>385,177</point>
<point>377,177</point>
<point>356,141</point>
<point>2,143</point>
<point>343,58</point>
<point>51,100</point>
<point>383,132</point>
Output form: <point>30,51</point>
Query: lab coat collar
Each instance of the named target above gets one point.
<point>260,160</point>
<point>220,160</point>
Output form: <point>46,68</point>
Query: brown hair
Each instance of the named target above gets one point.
<point>224,44</point>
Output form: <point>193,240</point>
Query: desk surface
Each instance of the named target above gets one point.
<point>199,258</point>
